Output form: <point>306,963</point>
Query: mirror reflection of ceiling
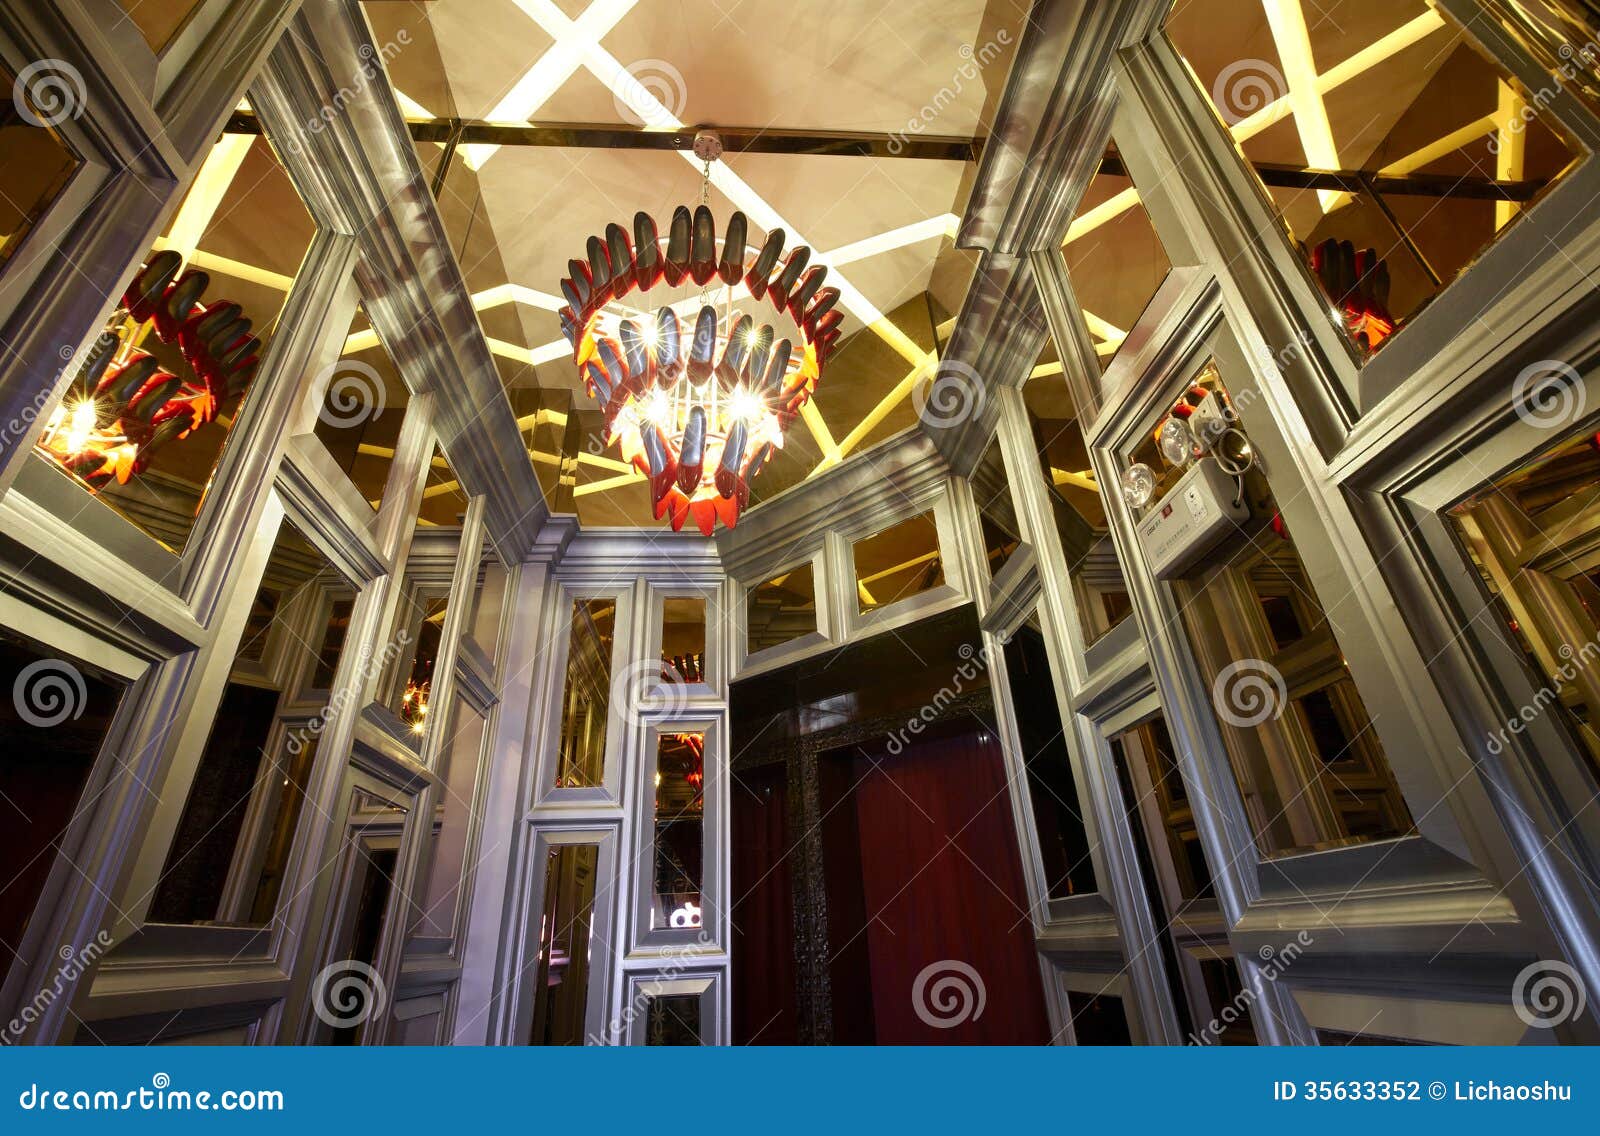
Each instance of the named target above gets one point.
<point>1391,88</point>
<point>517,213</point>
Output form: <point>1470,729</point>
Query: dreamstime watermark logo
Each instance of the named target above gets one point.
<point>638,1004</point>
<point>651,92</point>
<point>1275,361</point>
<point>19,425</point>
<point>948,993</point>
<point>1274,961</point>
<point>347,993</point>
<point>1548,394</point>
<point>1573,60</point>
<point>76,962</point>
<point>655,681</point>
<point>47,92</point>
<point>970,70</point>
<point>1249,691</point>
<point>48,692</point>
<point>954,394</point>
<point>974,661</point>
<point>369,664</point>
<point>1572,661</point>
<point>1547,994</point>
<point>355,394</point>
<point>373,57</point>
<point>1246,86</point>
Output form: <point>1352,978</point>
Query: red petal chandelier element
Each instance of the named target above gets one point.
<point>698,394</point>
<point>133,405</point>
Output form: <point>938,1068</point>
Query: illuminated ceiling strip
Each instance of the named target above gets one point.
<point>1084,480</point>
<point>205,195</point>
<point>585,34</point>
<point>1512,136</point>
<point>239,269</point>
<point>554,67</point>
<point>1105,329</point>
<point>1449,144</point>
<point>609,484</point>
<point>410,107</point>
<point>887,572</point>
<point>1293,41</point>
<point>876,415</point>
<point>812,417</point>
<point>1276,111</point>
<point>643,102</point>
<point>1405,36</point>
<point>387,452</point>
<point>943,225</point>
<point>885,405</point>
<point>1112,207</point>
<point>586,458</point>
<point>502,294</point>
<point>360,341</point>
<point>557,418</point>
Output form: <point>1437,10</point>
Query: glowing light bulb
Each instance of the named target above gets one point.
<point>657,408</point>
<point>80,425</point>
<point>744,406</point>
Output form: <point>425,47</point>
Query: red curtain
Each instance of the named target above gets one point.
<point>944,899</point>
<point>763,911</point>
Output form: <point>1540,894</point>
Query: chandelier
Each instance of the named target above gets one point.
<point>698,393</point>
<point>126,404</point>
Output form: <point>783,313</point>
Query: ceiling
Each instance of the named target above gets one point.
<point>1382,85</point>
<point>883,225</point>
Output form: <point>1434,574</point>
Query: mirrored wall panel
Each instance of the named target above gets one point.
<point>679,836</point>
<point>1531,536</point>
<point>1309,765</point>
<point>1052,787</point>
<point>53,721</point>
<point>900,562</point>
<point>561,987</point>
<point>673,1019</point>
<point>362,411</point>
<point>444,501</point>
<point>1077,507</point>
<point>155,396</point>
<point>781,609</point>
<point>683,640</point>
<point>232,844</point>
<point>586,694</point>
<point>1147,757</point>
<point>418,634</point>
<point>448,863</point>
<point>1115,259</point>
<point>997,514</point>
<point>1392,150</point>
<point>35,163</point>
